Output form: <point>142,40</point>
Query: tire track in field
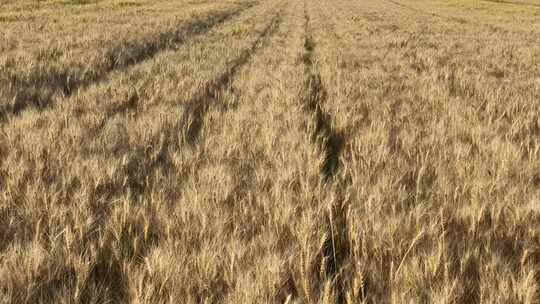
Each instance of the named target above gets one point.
<point>66,83</point>
<point>155,155</point>
<point>133,98</point>
<point>192,120</point>
<point>197,108</point>
<point>160,159</point>
<point>331,143</point>
<point>315,96</point>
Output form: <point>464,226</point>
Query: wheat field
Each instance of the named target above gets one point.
<point>270,151</point>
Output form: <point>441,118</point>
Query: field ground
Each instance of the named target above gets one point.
<point>278,151</point>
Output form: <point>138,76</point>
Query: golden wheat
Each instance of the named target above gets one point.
<point>283,151</point>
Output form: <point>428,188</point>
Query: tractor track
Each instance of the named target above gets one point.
<point>144,160</point>
<point>191,121</point>
<point>132,100</point>
<point>331,143</point>
<point>197,108</point>
<point>65,83</point>
<point>315,97</point>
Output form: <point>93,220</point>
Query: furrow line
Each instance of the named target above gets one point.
<point>27,92</point>
<point>331,142</point>
<point>315,96</point>
<point>192,120</point>
<point>160,159</point>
